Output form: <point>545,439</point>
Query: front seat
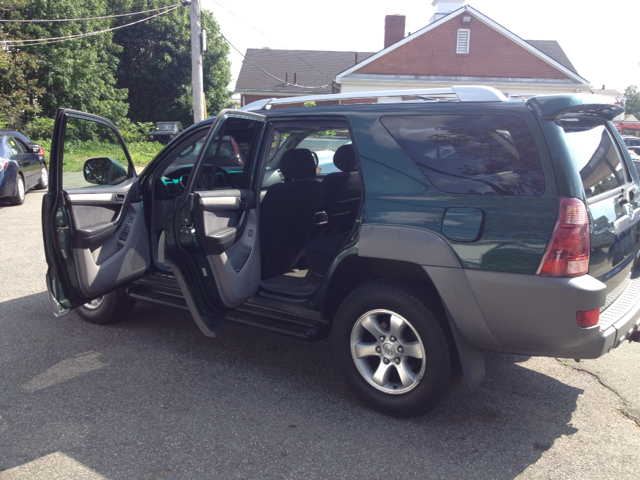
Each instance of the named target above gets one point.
<point>287,213</point>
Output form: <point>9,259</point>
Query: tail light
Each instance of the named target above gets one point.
<point>3,165</point>
<point>236,149</point>
<point>568,252</point>
<point>587,319</point>
<point>41,151</point>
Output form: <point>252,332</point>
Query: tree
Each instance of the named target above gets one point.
<point>155,64</point>
<point>18,69</point>
<point>632,101</point>
<point>78,73</point>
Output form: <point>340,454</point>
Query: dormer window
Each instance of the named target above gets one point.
<point>464,35</point>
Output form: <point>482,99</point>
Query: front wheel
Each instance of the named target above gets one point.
<point>393,351</point>
<point>110,308</point>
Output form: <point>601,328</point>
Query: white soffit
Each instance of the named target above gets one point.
<point>482,18</point>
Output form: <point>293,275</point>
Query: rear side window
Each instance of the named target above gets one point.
<point>594,155</point>
<point>472,154</point>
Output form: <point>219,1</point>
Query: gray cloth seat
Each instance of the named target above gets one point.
<point>287,213</point>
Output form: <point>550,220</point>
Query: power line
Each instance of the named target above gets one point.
<point>265,36</point>
<point>47,41</point>
<point>89,18</point>
<point>259,68</point>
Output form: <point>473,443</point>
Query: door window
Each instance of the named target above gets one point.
<point>93,155</point>
<point>227,158</point>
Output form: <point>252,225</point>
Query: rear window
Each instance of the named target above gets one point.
<point>472,154</point>
<point>594,155</point>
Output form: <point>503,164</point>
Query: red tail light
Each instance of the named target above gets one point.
<point>588,319</point>
<point>568,252</point>
<point>41,152</point>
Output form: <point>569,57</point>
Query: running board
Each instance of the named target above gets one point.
<point>141,293</point>
<point>279,326</point>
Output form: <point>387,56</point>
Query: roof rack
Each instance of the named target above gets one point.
<point>461,93</point>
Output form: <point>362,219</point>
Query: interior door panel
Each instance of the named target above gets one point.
<point>227,220</point>
<point>110,237</point>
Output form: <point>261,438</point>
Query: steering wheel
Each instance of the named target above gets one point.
<point>222,178</point>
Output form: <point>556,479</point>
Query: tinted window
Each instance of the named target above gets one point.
<point>472,154</point>
<point>594,155</point>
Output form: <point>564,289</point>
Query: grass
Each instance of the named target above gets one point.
<point>77,152</point>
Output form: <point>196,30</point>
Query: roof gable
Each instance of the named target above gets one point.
<point>542,57</point>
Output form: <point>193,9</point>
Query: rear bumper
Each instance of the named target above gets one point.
<point>533,315</point>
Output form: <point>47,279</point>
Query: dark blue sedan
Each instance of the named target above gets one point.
<point>22,167</point>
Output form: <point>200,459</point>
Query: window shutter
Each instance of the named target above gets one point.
<point>464,35</point>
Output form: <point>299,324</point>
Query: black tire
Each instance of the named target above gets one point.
<point>426,381</point>
<point>21,192</point>
<point>110,308</point>
<point>44,178</point>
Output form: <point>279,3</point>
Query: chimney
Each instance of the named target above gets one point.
<point>445,7</point>
<point>393,29</point>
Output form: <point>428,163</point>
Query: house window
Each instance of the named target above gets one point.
<point>464,35</point>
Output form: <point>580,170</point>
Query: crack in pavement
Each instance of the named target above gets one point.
<point>628,411</point>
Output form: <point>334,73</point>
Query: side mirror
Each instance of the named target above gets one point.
<point>104,171</point>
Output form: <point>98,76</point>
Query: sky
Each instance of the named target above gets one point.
<point>602,39</point>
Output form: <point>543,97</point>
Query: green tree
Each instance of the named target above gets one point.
<point>78,73</point>
<point>18,69</point>
<point>632,100</point>
<point>155,64</point>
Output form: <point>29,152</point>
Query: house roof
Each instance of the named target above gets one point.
<point>553,49</point>
<point>547,50</point>
<point>312,68</point>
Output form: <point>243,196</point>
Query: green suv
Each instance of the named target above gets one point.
<point>450,222</point>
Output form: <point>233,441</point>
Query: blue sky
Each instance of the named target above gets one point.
<point>601,39</point>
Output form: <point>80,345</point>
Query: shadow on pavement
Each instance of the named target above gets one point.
<point>152,397</point>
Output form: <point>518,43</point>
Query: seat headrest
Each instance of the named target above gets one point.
<point>298,164</point>
<point>345,158</point>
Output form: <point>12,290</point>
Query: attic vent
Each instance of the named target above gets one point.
<point>464,35</point>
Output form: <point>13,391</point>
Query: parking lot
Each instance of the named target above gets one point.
<point>152,397</point>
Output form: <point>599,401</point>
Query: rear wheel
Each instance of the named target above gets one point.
<point>18,198</point>
<point>44,178</point>
<point>109,308</point>
<point>393,351</point>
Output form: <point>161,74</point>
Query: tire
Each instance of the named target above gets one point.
<point>110,308</point>
<point>18,198</point>
<point>402,375</point>
<point>44,178</point>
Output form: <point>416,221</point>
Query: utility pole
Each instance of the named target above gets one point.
<point>196,62</point>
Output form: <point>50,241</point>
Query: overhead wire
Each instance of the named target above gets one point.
<point>89,18</point>
<point>264,35</point>
<point>47,41</point>
<point>257,66</point>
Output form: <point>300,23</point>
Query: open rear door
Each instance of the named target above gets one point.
<point>94,231</point>
<point>212,237</point>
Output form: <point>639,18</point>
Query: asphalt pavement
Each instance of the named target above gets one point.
<point>152,398</point>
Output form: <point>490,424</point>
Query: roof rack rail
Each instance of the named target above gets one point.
<point>460,93</point>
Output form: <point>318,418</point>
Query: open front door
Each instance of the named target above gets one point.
<point>212,238</point>
<point>92,219</point>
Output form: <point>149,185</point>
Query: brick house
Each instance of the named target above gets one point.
<point>460,46</point>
